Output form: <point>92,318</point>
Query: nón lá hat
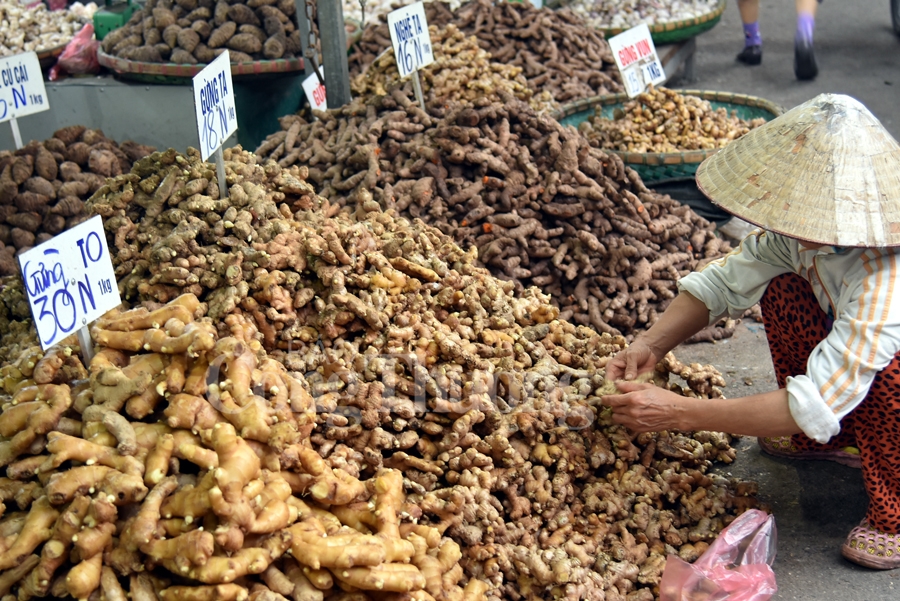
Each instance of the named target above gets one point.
<point>825,171</point>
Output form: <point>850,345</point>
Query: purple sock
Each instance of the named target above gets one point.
<point>806,23</point>
<point>752,37</point>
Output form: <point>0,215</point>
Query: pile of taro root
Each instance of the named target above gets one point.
<point>417,360</point>
<point>557,53</point>
<point>197,31</point>
<point>461,71</point>
<point>539,204</point>
<point>43,185</point>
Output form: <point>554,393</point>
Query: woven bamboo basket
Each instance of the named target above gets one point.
<point>661,166</point>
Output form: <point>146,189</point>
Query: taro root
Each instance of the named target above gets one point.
<point>220,36</point>
<point>188,39</point>
<point>171,33</point>
<point>245,42</point>
<point>43,185</point>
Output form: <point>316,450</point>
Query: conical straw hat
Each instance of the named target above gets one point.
<point>826,171</point>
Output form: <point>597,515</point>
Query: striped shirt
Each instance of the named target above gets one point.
<point>856,287</point>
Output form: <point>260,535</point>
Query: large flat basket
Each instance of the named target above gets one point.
<point>659,166</point>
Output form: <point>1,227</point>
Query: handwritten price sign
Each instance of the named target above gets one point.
<point>70,281</point>
<point>22,89</point>
<point>637,60</point>
<point>410,38</point>
<point>214,104</point>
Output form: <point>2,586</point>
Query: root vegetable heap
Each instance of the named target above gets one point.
<point>662,120</point>
<point>419,360</point>
<point>556,52</point>
<point>174,233</point>
<point>541,206</point>
<point>17,331</point>
<point>616,14</point>
<point>44,184</point>
<point>197,31</point>
<point>461,71</point>
<point>173,468</point>
<point>34,29</point>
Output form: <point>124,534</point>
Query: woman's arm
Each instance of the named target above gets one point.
<point>648,408</point>
<point>685,316</point>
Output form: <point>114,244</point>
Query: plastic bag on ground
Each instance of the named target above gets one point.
<point>79,56</point>
<point>736,567</point>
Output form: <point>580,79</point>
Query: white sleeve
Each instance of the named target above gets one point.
<point>864,340</point>
<point>734,283</point>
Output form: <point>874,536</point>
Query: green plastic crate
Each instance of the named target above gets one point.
<point>111,17</point>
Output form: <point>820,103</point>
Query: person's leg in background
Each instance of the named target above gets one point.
<point>805,66</point>
<point>752,52</point>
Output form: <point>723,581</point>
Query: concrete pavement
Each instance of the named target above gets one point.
<point>856,49</point>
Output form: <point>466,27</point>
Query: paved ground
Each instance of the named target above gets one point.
<point>815,503</point>
<point>857,52</point>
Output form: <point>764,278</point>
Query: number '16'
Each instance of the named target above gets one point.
<point>88,250</point>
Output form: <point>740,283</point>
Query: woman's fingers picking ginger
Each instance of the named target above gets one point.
<point>645,407</point>
<point>631,362</point>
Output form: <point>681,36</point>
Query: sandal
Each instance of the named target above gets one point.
<point>872,548</point>
<point>781,446</point>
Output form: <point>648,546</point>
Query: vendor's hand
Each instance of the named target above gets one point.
<point>631,362</point>
<point>646,408</point>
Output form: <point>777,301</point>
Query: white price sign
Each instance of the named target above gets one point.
<point>70,281</point>
<point>410,38</point>
<point>214,104</point>
<point>22,89</point>
<point>636,57</point>
<point>315,91</point>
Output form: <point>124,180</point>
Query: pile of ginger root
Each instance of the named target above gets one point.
<point>178,465</point>
<point>461,71</point>
<point>419,360</point>
<point>664,120</point>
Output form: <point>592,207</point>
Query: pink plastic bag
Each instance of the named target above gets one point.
<point>736,567</point>
<point>79,55</point>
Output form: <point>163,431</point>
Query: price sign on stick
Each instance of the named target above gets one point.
<point>315,92</point>
<point>636,57</point>
<point>411,43</point>
<point>69,281</point>
<point>410,38</point>
<point>22,90</point>
<point>216,115</point>
<point>214,105</point>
